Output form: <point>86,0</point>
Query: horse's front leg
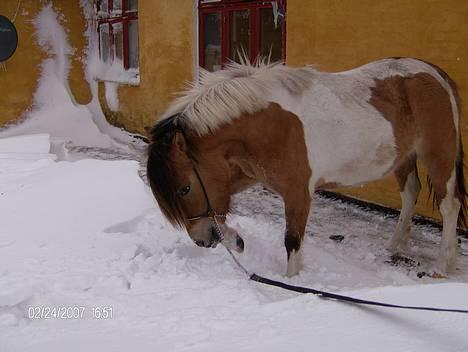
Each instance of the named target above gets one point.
<point>297,212</point>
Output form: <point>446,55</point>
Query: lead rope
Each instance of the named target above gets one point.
<point>221,238</point>
<point>323,294</point>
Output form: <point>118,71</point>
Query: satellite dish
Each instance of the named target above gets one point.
<point>8,38</point>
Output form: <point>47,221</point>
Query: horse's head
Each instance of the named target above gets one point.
<point>191,187</point>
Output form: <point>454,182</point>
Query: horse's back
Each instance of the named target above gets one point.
<point>351,135</point>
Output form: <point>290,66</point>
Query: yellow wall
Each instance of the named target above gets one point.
<point>338,35</point>
<point>166,61</point>
<point>18,83</point>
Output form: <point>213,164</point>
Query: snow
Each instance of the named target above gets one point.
<point>112,96</point>
<point>33,147</point>
<point>87,233</point>
<point>115,72</point>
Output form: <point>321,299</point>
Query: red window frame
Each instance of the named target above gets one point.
<point>108,17</point>
<point>225,7</point>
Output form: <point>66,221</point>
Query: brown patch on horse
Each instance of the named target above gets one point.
<point>420,112</point>
<point>275,165</point>
<point>281,166</point>
<point>404,169</point>
<point>235,157</point>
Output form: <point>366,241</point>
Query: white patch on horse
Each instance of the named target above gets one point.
<point>345,136</point>
<point>449,208</point>
<point>349,142</point>
<point>294,263</point>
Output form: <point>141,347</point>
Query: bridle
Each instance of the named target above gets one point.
<point>210,212</point>
<point>213,215</point>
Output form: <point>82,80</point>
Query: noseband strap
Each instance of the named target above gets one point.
<point>209,213</point>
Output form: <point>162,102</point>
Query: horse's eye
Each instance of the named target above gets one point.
<point>184,191</point>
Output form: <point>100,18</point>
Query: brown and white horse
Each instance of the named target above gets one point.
<point>297,130</point>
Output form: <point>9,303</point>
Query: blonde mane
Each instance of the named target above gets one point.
<point>218,97</point>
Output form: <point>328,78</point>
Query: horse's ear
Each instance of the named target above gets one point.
<point>179,142</point>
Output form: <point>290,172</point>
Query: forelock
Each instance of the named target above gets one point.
<point>161,168</point>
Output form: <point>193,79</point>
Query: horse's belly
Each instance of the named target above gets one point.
<point>356,171</point>
<point>351,151</point>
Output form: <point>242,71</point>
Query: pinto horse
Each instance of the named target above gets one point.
<point>297,130</point>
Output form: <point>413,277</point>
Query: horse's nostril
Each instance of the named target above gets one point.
<point>200,243</point>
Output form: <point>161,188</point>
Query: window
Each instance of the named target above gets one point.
<point>250,27</point>
<point>117,26</point>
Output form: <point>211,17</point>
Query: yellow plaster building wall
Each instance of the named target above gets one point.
<point>166,62</point>
<point>19,82</point>
<point>337,35</point>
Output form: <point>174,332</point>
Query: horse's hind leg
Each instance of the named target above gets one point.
<point>438,153</point>
<point>408,180</point>
<point>449,208</point>
<point>435,114</point>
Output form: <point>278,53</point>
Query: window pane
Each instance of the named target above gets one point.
<point>117,5</point>
<point>212,49</point>
<point>103,5</point>
<point>118,40</point>
<point>271,38</point>
<point>240,28</point>
<point>133,44</point>
<point>132,5</point>
<point>104,42</point>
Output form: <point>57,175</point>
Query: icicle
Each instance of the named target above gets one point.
<point>274,4</point>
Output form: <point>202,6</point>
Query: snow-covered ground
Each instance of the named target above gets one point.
<point>86,233</point>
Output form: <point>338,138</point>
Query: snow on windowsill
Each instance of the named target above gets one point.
<point>115,73</point>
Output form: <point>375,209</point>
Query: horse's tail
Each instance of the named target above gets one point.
<point>461,191</point>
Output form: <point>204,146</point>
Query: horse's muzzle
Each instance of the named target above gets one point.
<point>212,242</point>
<point>229,238</point>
